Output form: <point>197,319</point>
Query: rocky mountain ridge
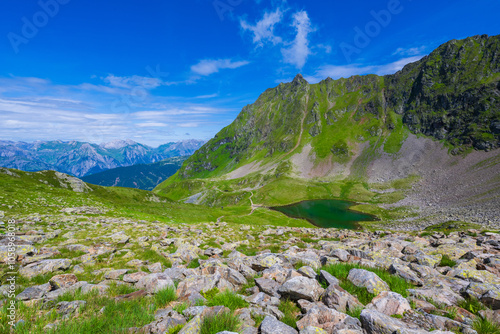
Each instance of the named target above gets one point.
<point>453,94</point>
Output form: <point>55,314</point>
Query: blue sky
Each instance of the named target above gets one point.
<point>159,71</point>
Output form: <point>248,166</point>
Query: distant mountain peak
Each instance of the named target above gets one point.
<point>118,143</point>
<point>299,80</point>
<point>81,158</point>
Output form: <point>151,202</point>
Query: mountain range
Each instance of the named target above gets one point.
<point>81,158</point>
<point>433,126</point>
<point>141,176</point>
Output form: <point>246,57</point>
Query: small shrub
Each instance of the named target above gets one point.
<point>181,307</point>
<point>258,319</point>
<point>472,305</point>
<point>452,313</point>
<point>116,317</point>
<point>41,279</point>
<point>175,330</point>
<point>299,264</point>
<point>447,262</point>
<point>355,313</point>
<point>225,321</point>
<point>70,296</point>
<point>250,284</point>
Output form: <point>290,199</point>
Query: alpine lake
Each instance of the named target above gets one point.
<point>326,213</point>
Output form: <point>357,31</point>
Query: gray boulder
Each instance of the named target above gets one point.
<point>390,303</point>
<point>375,322</point>
<point>67,308</point>
<point>301,288</point>
<point>328,278</point>
<point>153,283</point>
<point>44,267</point>
<point>337,298</point>
<point>268,286</point>
<point>367,279</point>
<point>271,325</point>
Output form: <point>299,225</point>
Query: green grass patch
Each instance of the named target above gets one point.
<point>341,271</point>
<point>181,307</point>
<point>290,311</point>
<point>472,305</point>
<point>225,298</point>
<point>447,262</point>
<point>165,296</point>
<point>153,257</point>
<point>195,263</point>
<point>116,289</point>
<point>225,321</point>
<point>355,312</point>
<point>116,318</point>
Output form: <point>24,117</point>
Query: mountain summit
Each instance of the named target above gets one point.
<point>370,128</point>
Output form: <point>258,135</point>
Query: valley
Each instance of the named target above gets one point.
<point>363,205</point>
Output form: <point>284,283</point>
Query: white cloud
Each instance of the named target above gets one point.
<point>335,72</point>
<point>82,112</point>
<point>263,30</point>
<point>210,66</point>
<point>209,96</point>
<point>132,81</point>
<point>188,125</point>
<point>410,51</point>
<point>297,53</point>
<point>325,47</point>
<point>151,124</point>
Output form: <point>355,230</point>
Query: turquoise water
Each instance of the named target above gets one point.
<point>326,213</point>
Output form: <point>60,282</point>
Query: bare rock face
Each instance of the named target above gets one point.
<point>301,288</point>
<point>73,183</point>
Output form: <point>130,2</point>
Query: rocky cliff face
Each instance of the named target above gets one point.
<point>80,159</point>
<point>451,95</point>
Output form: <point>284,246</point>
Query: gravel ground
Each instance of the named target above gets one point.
<point>451,187</point>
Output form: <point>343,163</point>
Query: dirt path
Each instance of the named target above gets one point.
<point>253,206</point>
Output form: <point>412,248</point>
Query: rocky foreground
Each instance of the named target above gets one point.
<point>266,279</point>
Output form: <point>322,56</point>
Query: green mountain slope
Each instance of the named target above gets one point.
<point>328,140</point>
<point>142,176</point>
<point>452,94</point>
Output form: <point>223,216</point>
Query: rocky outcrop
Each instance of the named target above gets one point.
<point>278,288</point>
